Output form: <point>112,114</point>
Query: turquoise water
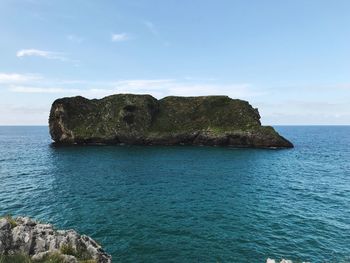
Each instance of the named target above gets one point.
<point>188,204</point>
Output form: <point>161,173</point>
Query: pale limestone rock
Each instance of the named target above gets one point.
<point>23,235</point>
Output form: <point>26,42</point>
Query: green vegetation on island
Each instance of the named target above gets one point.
<point>144,120</point>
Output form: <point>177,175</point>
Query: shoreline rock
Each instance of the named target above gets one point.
<point>144,120</point>
<point>24,236</point>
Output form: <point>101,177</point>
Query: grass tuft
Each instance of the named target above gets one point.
<point>15,259</point>
<point>52,258</point>
<point>68,250</point>
<point>81,254</point>
<point>11,220</point>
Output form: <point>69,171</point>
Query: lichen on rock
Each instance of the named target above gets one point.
<point>144,120</point>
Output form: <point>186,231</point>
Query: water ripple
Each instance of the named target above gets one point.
<point>188,204</point>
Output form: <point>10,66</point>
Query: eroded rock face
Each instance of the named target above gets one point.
<point>144,120</point>
<point>25,236</point>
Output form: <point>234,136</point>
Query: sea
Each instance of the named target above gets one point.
<point>188,204</point>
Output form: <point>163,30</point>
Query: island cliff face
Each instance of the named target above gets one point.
<point>144,120</point>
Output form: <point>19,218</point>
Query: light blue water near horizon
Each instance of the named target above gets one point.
<point>188,204</point>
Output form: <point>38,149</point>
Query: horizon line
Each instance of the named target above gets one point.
<point>42,125</point>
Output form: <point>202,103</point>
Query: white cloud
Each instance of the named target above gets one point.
<point>233,90</point>
<point>160,88</point>
<point>308,110</point>
<point>17,78</point>
<point>156,87</point>
<point>120,37</point>
<point>165,87</point>
<point>41,53</point>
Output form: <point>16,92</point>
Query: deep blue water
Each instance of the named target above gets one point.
<point>188,204</point>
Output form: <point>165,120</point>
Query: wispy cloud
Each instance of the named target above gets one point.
<point>292,112</point>
<point>14,114</point>
<point>75,39</point>
<point>120,37</point>
<point>17,78</point>
<point>43,90</point>
<point>41,53</point>
<point>46,54</point>
<point>143,82</point>
<point>165,87</point>
<point>155,32</point>
<point>287,111</point>
<point>151,27</point>
<point>156,87</point>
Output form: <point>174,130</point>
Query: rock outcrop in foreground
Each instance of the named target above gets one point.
<point>41,243</point>
<point>144,120</point>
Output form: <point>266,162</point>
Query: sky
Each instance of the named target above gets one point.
<point>290,59</point>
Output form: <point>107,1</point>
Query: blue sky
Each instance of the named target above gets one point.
<point>291,59</point>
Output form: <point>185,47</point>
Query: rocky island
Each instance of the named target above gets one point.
<point>25,240</point>
<point>144,120</point>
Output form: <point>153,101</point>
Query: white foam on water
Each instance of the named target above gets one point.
<point>269,260</point>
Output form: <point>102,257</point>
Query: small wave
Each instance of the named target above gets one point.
<point>269,260</point>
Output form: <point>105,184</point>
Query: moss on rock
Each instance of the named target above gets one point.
<point>142,119</point>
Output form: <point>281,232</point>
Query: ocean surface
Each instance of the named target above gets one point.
<point>188,204</point>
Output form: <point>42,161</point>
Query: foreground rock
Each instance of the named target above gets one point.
<point>144,120</point>
<point>23,236</point>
